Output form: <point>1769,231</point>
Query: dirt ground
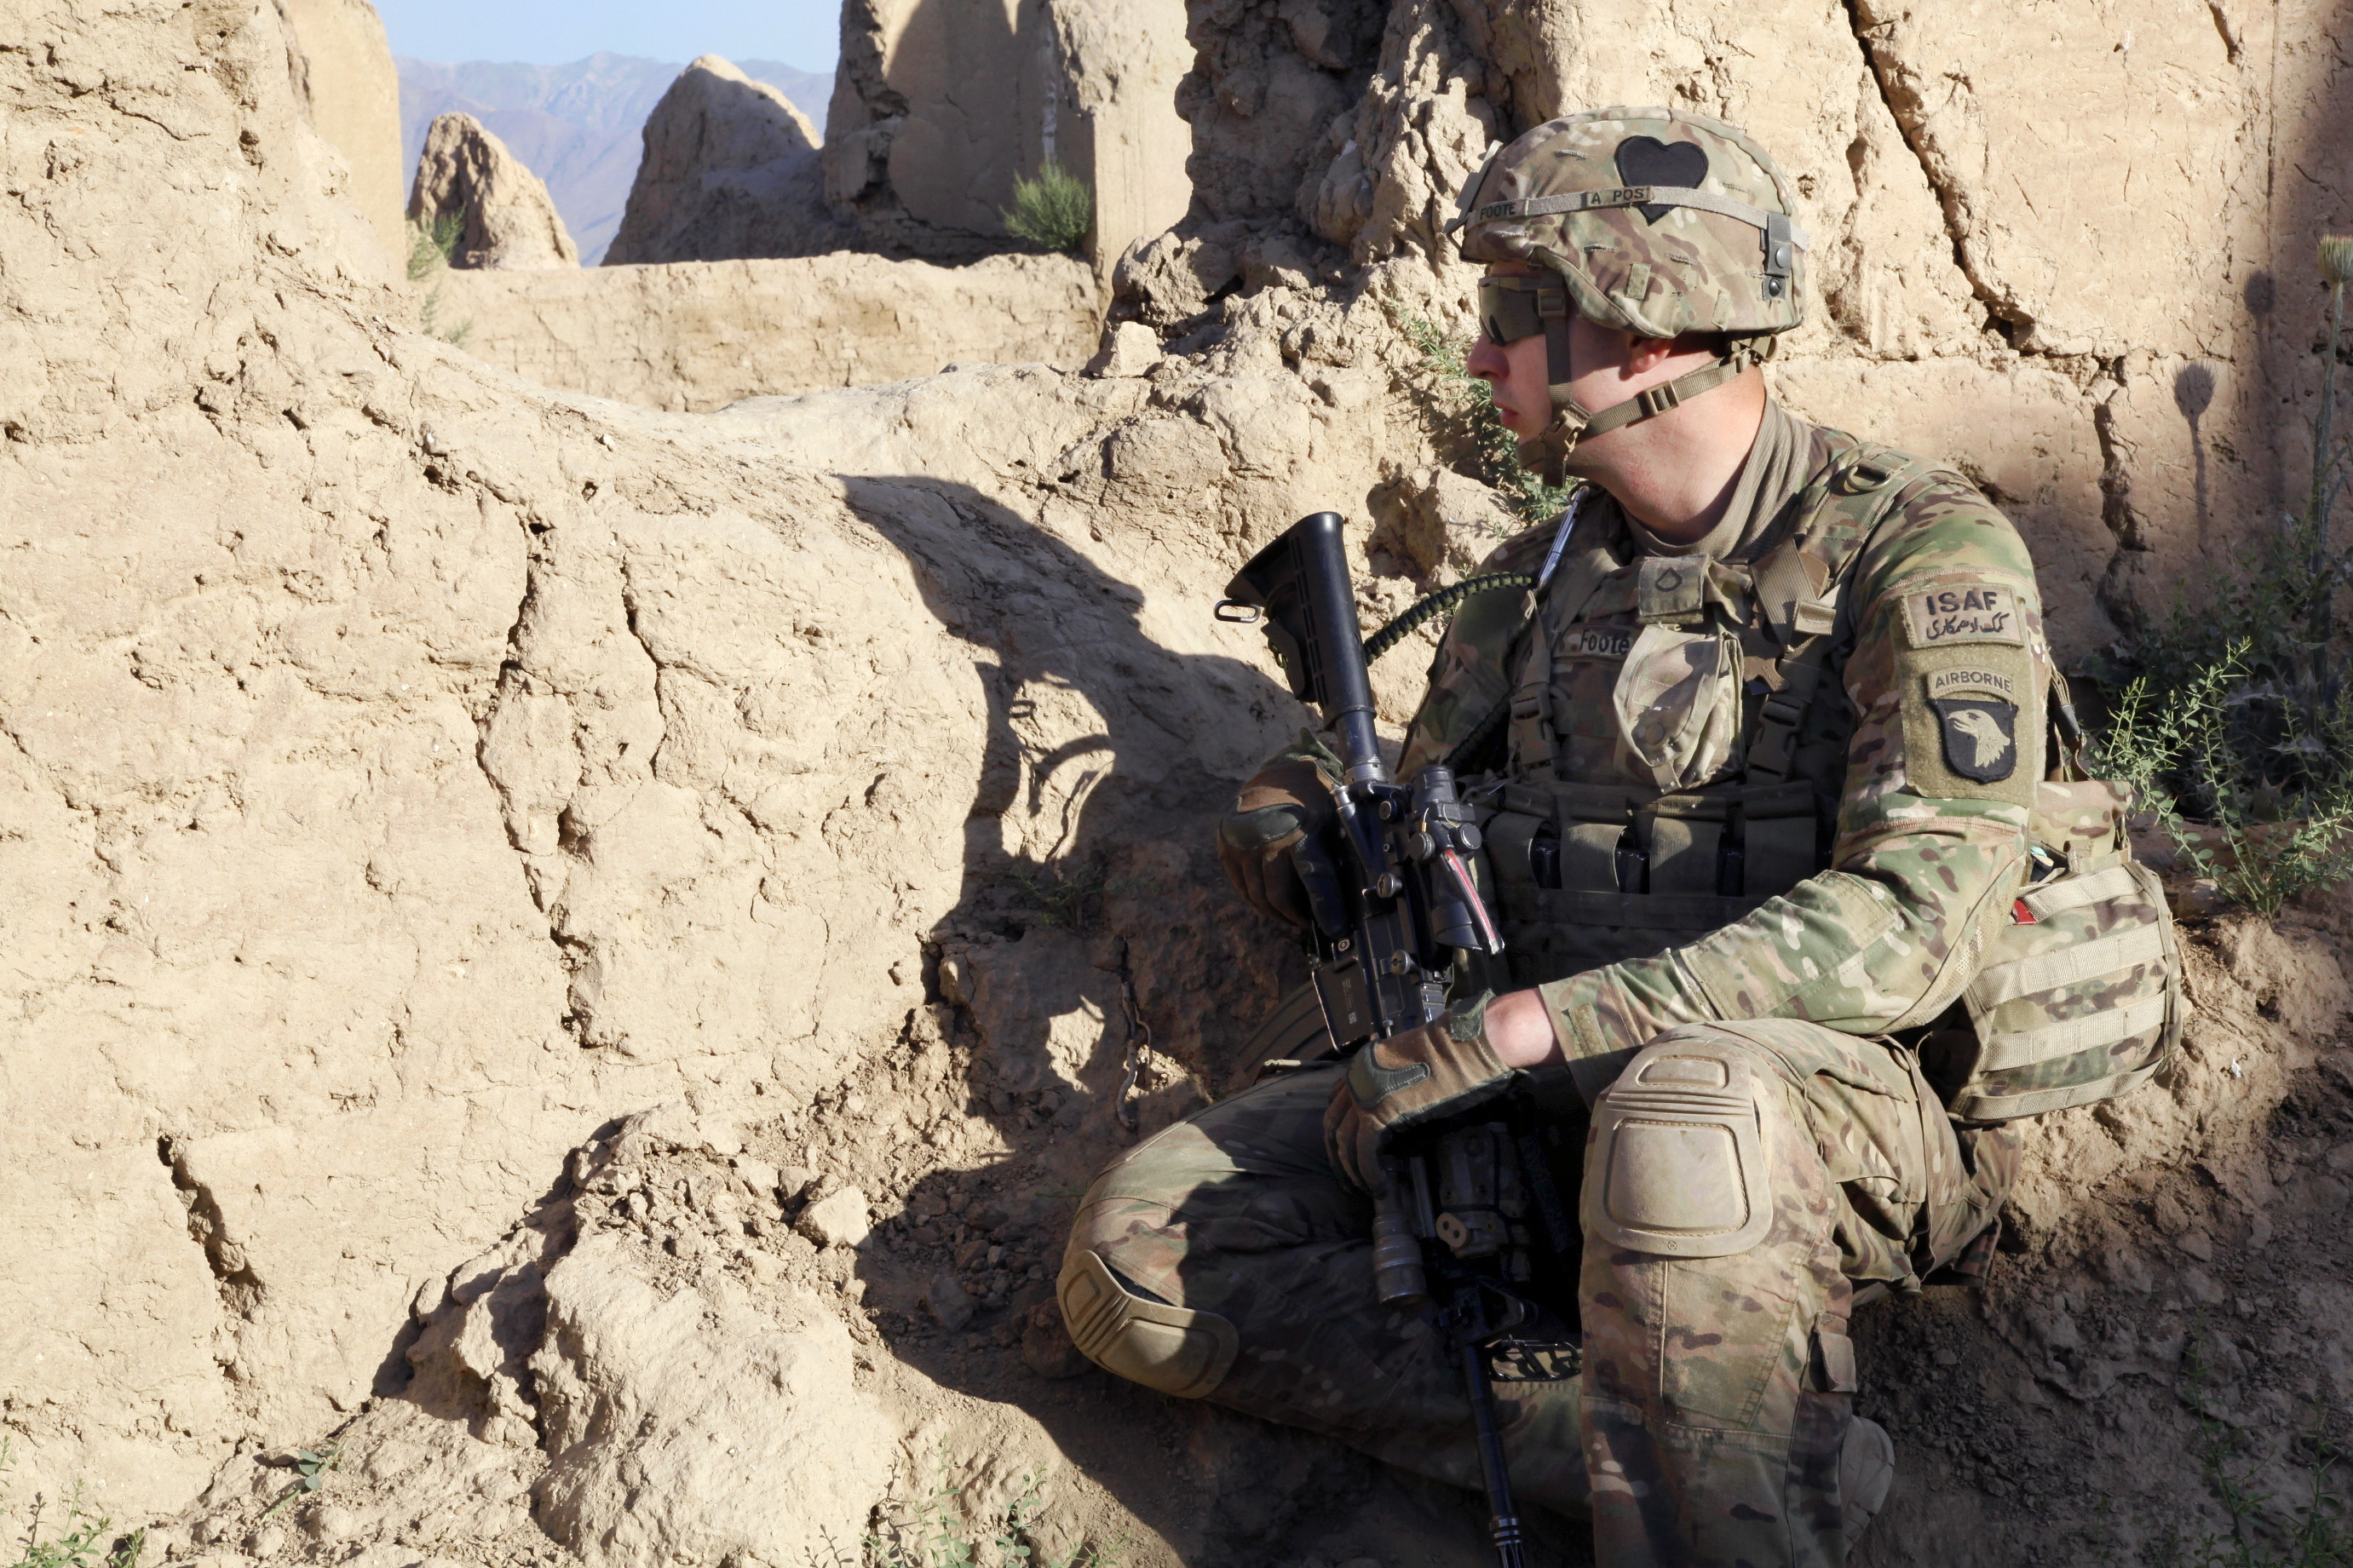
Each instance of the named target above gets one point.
<point>2155,1373</point>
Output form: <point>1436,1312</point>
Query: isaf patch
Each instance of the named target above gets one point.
<point>1955,615</point>
<point>1980,736</point>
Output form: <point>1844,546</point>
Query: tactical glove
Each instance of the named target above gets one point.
<point>1440,1070</point>
<point>1284,803</point>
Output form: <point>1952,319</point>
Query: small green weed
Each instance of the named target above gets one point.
<point>1065,899</point>
<point>312,1470</point>
<point>430,246</point>
<point>2314,1536</point>
<point>933,1533</point>
<point>82,1540</point>
<point>1461,411</point>
<point>1053,211</point>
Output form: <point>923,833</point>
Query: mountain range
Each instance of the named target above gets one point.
<point>575,126</point>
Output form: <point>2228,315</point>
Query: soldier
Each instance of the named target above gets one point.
<point>1757,760</point>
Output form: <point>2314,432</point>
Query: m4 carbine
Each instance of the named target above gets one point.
<point>1394,900</point>
<point>1399,902</point>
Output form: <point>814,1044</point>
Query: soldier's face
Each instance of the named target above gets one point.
<point>1515,371</point>
<point>1519,370</point>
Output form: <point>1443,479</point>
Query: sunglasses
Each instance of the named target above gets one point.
<point>1511,308</point>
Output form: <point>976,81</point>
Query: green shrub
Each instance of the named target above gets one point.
<point>2186,743</point>
<point>2238,714</point>
<point>1065,897</point>
<point>1053,211</point>
<point>430,246</point>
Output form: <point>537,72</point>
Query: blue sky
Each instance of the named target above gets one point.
<point>803,33</point>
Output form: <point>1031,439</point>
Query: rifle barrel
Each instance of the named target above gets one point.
<point>1346,682</point>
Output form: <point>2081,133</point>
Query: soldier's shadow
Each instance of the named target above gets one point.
<point>1089,885</point>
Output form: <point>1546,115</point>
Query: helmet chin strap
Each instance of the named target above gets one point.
<point>1572,422</point>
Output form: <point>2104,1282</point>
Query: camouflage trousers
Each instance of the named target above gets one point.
<point>1224,1259</point>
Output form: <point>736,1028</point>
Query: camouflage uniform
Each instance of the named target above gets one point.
<point>1761,802</point>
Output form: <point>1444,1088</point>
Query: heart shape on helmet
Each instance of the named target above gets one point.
<point>1647,161</point>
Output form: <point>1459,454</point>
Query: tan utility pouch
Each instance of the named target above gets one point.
<point>2079,997</point>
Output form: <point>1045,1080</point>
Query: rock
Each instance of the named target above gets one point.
<point>2170,1216</point>
<point>792,1180</point>
<point>730,170</point>
<point>1046,1347</point>
<point>697,336</point>
<point>2202,1286</point>
<point>668,1421</point>
<point>758,1175</point>
<point>1130,348</point>
<point>2197,1244</point>
<point>947,1302</point>
<point>265,1542</point>
<point>505,217</point>
<point>676,1125</point>
<point>2340,1159</point>
<point>1168,279</point>
<point>331,1522</point>
<point>838,1220</point>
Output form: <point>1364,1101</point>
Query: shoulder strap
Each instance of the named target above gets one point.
<point>1802,588</point>
<point>1585,562</point>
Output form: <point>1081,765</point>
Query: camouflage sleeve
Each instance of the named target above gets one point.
<point>1947,680</point>
<point>1470,674</point>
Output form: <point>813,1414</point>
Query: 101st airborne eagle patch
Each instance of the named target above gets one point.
<point>1976,715</point>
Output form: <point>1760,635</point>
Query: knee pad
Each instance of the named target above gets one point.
<point>1176,1350</point>
<point>1677,1164</point>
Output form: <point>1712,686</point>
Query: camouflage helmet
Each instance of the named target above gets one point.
<point>1657,223</point>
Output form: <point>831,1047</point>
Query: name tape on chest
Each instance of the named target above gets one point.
<point>1605,643</point>
<point>1975,612</point>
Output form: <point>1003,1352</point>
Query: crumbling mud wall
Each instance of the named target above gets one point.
<point>939,106</point>
<point>695,336</point>
<point>349,92</point>
<point>410,771</point>
<point>416,776</point>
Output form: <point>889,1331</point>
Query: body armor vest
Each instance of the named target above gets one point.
<point>1595,854</point>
